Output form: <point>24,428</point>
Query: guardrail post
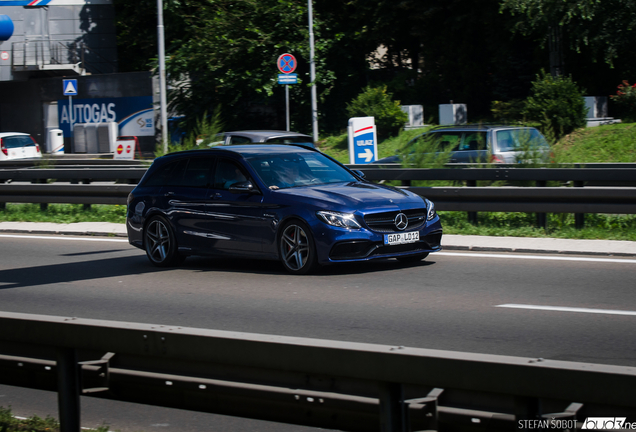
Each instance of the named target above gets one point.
<point>542,218</point>
<point>472,216</point>
<point>393,410</point>
<point>43,206</point>
<point>68,390</point>
<point>86,206</point>
<point>579,218</point>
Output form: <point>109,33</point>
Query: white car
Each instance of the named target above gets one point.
<point>18,145</point>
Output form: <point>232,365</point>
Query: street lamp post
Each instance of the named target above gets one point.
<point>312,73</point>
<point>162,77</point>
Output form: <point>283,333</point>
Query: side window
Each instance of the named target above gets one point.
<point>228,173</point>
<point>168,175</point>
<point>236,139</point>
<point>446,140</point>
<point>197,173</point>
<point>473,141</point>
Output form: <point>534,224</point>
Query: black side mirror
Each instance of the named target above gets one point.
<point>244,187</point>
<point>359,173</point>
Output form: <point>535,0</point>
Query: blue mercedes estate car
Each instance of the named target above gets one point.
<point>280,202</point>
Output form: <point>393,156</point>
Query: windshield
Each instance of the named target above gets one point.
<point>280,171</point>
<point>519,139</point>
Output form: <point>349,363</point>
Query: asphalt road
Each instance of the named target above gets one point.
<point>563,308</point>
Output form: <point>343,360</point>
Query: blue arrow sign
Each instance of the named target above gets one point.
<point>70,87</point>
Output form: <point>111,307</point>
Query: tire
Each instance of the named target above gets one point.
<point>160,243</point>
<point>297,249</point>
<point>413,258</point>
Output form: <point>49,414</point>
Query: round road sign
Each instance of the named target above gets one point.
<point>120,149</point>
<point>4,55</point>
<point>286,63</point>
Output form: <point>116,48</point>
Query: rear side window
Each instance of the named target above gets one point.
<point>519,139</point>
<point>306,141</point>
<point>473,141</point>
<point>197,173</point>
<point>17,141</point>
<point>237,139</point>
<point>448,139</point>
<point>170,174</point>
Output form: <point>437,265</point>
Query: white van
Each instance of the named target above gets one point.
<point>17,145</point>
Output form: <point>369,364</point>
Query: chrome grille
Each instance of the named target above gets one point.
<point>385,222</point>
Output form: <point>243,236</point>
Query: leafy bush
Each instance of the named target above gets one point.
<point>201,136</point>
<point>557,104</point>
<point>376,102</point>
<point>625,98</point>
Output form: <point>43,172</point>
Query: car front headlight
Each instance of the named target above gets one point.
<point>337,219</point>
<point>430,211</point>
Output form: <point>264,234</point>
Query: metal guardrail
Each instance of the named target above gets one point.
<point>65,194</point>
<point>540,199</point>
<point>320,383</point>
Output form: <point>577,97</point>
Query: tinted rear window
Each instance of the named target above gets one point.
<point>306,141</point>
<point>17,141</point>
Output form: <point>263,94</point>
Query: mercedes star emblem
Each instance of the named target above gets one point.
<point>401,221</point>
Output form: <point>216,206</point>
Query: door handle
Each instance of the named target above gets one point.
<point>168,194</point>
<point>216,196</point>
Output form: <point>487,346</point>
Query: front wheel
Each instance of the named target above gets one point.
<point>161,244</point>
<point>297,249</point>
<point>412,258</point>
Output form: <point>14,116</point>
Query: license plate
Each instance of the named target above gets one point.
<point>401,238</point>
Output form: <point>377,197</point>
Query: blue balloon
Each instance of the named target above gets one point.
<point>6,27</point>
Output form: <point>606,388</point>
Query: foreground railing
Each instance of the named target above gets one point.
<point>328,384</point>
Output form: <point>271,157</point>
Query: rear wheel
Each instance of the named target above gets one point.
<point>297,249</point>
<point>412,258</point>
<point>161,245</point>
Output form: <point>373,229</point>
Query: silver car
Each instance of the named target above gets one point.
<point>264,137</point>
<point>486,143</point>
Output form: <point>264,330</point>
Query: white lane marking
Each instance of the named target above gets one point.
<point>569,309</point>
<point>97,239</point>
<point>537,257</point>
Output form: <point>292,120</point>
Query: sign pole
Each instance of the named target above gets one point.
<point>287,105</point>
<point>287,64</point>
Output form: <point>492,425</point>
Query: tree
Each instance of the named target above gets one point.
<point>604,26</point>
<point>228,57</point>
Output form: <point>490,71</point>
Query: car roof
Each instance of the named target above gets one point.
<point>5,134</point>
<point>245,150</point>
<point>477,127</point>
<point>261,134</point>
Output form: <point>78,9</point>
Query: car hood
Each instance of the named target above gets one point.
<point>354,196</point>
<point>389,159</point>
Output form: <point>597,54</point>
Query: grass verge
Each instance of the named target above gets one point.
<point>597,226</point>
<point>559,225</point>
<point>9,423</point>
<point>63,213</point>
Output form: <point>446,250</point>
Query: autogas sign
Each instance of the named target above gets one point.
<point>363,147</point>
<point>134,115</point>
